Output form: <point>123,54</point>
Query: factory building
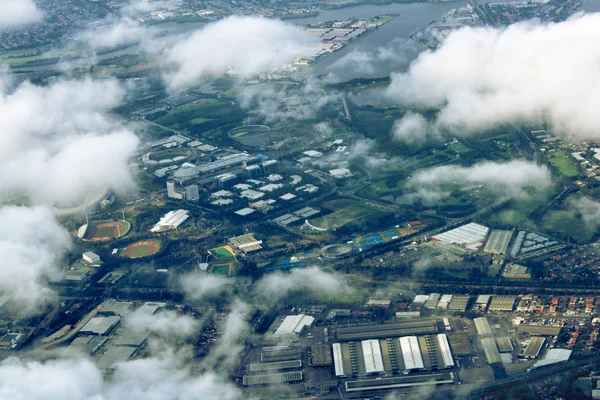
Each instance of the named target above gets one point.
<point>338,362</point>
<point>90,257</point>
<point>372,356</point>
<point>269,379</point>
<point>483,326</point>
<point>245,243</point>
<point>294,324</point>
<point>444,347</point>
<point>275,366</point>
<point>432,301</point>
<point>470,236</point>
<point>171,220</point>
<point>399,382</point>
<point>502,303</point>
<point>534,347</point>
<point>459,303</point>
<point>100,325</point>
<point>411,355</point>
<point>498,242</point>
<point>504,345</point>
<point>491,350</point>
<point>382,331</point>
<point>279,353</point>
<point>191,193</point>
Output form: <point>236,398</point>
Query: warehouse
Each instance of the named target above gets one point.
<point>338,361</point>
<point>246,243</point>
<point>483,326</point>
<point>279,353</point>
<point>411,354</point>
<point>294,324</point>
<point>504,345</point>
<point>372,356</point>
<point>498,242</point>
<point>459,303</point>
<point>382,331</point>
<point>131,339</point>
<point>88,344</point>
<point>113,356</point>
<point>113,307</point>
<point>400,382</point>
<point>171,220</point>
<point>539,330</point>
<point>100,325</point>
<point>554,356</point>
<point>534,347</point>
<point>90,257</point>
<point>502,303</point>
<point>284,377</point>
<point>276,366</point>
<point>444,347</point>
<point>444,301</point>
<point>470,236</point>
<point>286,219</point>
<point>432,301</point>
<point>491,350</point>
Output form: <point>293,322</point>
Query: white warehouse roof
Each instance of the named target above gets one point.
<point>470,236</point>
<point>294,324</point>
<point>554,356</point>
<point>445,350</point>
<point>337,359</point>
<point>411,354</point>
<point>372,356</point>
<point>171,220</point>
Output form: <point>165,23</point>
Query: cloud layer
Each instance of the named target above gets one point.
<point>512,178</point>
<point>245,45</point>
<point>18,13</point>
<point>311,279</point>
<point>527,72</point>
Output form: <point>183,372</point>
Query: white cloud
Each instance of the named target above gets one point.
<point>200,285</point>
<point>18,13</point>
<point>167,324</point>
<point>60,142</point>
<point>413,128</point>
<point>31,244</point>
<point>311,279</point>
<point>527,72</point>
<point>247,45</point>
<point>512,178</point>
<point>114,35</point>
<point>587,208</point>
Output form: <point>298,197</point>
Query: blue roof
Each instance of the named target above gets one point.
<point>262,156</point>
<point>377,237</point>
<point>390,233</point>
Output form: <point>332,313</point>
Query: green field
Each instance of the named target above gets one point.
<point>345,211</point>
<point>221,269</point>
<point>569,224</point>
<point>104,231</point>
<point>142,248</point>
<point>221,252</point>
<point>561,161</point>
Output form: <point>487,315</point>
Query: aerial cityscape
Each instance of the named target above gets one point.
<point>299,199</point>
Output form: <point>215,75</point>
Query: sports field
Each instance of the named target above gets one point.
<point>143,248</point>
<point>221,269</point>
<point>221,252</point>
<point>345,212</point>
<point>107,230</point>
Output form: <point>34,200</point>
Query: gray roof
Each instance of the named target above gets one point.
<point>100,325</point>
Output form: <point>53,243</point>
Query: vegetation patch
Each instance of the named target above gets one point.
<point>142,248</point>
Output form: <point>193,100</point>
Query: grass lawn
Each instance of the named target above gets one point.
<point>221,252</point>
<point>220,269</point>
<point>105,232</point>
<point>142,249</point>
<point>561,161</point>
<point>567,223</point>
<point>345,212</point>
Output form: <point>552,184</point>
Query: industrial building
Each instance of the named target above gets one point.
<point>100,325</point>
<point>516,271</point>
<point>504,345</point>
<point>269,379</point>
<point>372,356</point>
<point>459,303</point>
<point>411,354</point>
<point>113,356</point>
<point>399,382</point>
<point>539,330</point>
<point>491,350</point>
<point>88,344</point>
<point>113,307</point>
<point>534,347</point>
<point>498,242</point>
<point>338,362</point>
<point>379,331</point>
<point>444,301</point>
<point>444,346</point>
<point>246,243</point>
<point>245,211</point>
<point>228,161</point>
<point>295,324</point>
<point>275,366</point>
<point>340,173</point>
<point>470,236</point>
<point>502,303</point>
<point>171,220</point>
<point>279,353</point>
<point>432,301</point>
<point>483,326</point>
<point>553,356</point>
<point>90,257</point>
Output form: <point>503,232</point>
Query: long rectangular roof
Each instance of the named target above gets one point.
<point>470,236</point>
<point>382,331</point>
<point>491,350</point>
<point>483,326</point>
<point>411,354</point>
<point>337,359</point>
<point>534,347</point>
<point>372,356</point>
<point>293,324</point>
<point>445,350</point>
